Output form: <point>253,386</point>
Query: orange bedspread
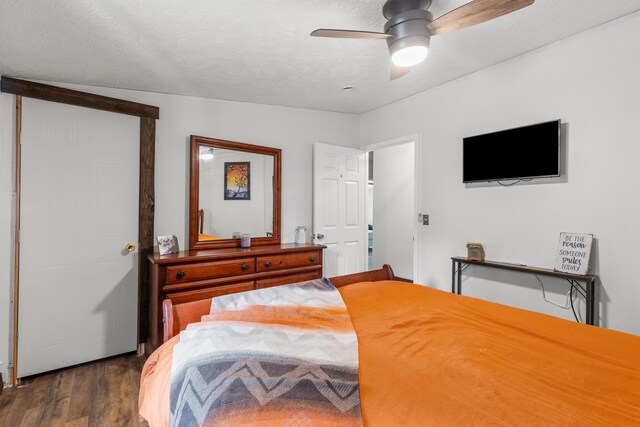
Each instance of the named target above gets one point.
<point>428,357</point>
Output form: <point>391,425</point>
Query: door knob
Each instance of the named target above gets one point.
<point>130,247</point>
<point>320,236</point>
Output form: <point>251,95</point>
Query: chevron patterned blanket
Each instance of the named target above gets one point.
<point>285,356</point>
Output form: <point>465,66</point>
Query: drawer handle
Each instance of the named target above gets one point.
<point>312,259</point>
<point>267,264</point>
<point>245,266</point>
<point>180,275</point>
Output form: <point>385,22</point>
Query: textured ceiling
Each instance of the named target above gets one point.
<point>260,51</point>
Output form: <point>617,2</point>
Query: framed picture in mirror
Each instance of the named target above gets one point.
<point>237,184</point>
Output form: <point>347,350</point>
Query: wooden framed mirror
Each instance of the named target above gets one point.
<point>234,188</point>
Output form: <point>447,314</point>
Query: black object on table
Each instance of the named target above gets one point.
<point>457,264</point>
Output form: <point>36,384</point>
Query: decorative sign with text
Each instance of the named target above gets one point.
<point>574,251</point>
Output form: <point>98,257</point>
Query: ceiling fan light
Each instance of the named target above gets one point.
<point>409,56</point>
<point>410,45</point>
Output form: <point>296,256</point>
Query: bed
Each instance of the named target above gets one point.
<point>428,357</point>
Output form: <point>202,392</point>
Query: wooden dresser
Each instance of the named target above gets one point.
<point>193,275</point>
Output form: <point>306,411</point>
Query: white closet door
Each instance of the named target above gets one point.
<point>339,216</point>
<point>79,209</point>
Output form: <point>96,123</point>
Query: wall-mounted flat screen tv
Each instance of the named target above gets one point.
<point>520,153</point>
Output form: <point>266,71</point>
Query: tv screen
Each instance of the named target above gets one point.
<point>521,153</point>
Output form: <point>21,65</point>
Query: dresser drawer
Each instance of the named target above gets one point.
<point>206,270</point>
<point>285,280</point>
<point>280,262</point>
<point>188,296</point>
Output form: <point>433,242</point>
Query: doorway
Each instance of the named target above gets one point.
<point>79,211</point>
<point>391,207</point>
<point>147,115</point>
<point>339,182</point>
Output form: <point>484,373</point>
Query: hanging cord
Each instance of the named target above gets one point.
<point>514,183</point>
<point>579,288</point>
<point>572,307</point>
<point>575,285</point>
<point>567,303</point>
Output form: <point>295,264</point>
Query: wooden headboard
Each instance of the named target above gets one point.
<point>177,317</point>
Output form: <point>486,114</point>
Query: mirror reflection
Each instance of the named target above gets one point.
<point>235,193</point>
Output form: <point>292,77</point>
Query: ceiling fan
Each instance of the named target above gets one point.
<point>410,26</point>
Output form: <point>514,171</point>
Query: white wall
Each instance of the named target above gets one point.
<point>393,211</point>
<point>590,81</point>
<point>293,130</point>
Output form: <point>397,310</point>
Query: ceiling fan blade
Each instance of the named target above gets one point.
<point>475,12</point>
<point>348,34</point>
<point>397,72</point>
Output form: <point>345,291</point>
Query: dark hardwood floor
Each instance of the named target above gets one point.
<point>102,393</point>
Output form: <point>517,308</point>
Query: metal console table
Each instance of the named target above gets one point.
<point>588,291</point>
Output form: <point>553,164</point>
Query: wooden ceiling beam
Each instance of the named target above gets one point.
<point>73,97</point>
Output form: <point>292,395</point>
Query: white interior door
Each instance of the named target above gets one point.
<point>79,209</point>
<point>339,216</point>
